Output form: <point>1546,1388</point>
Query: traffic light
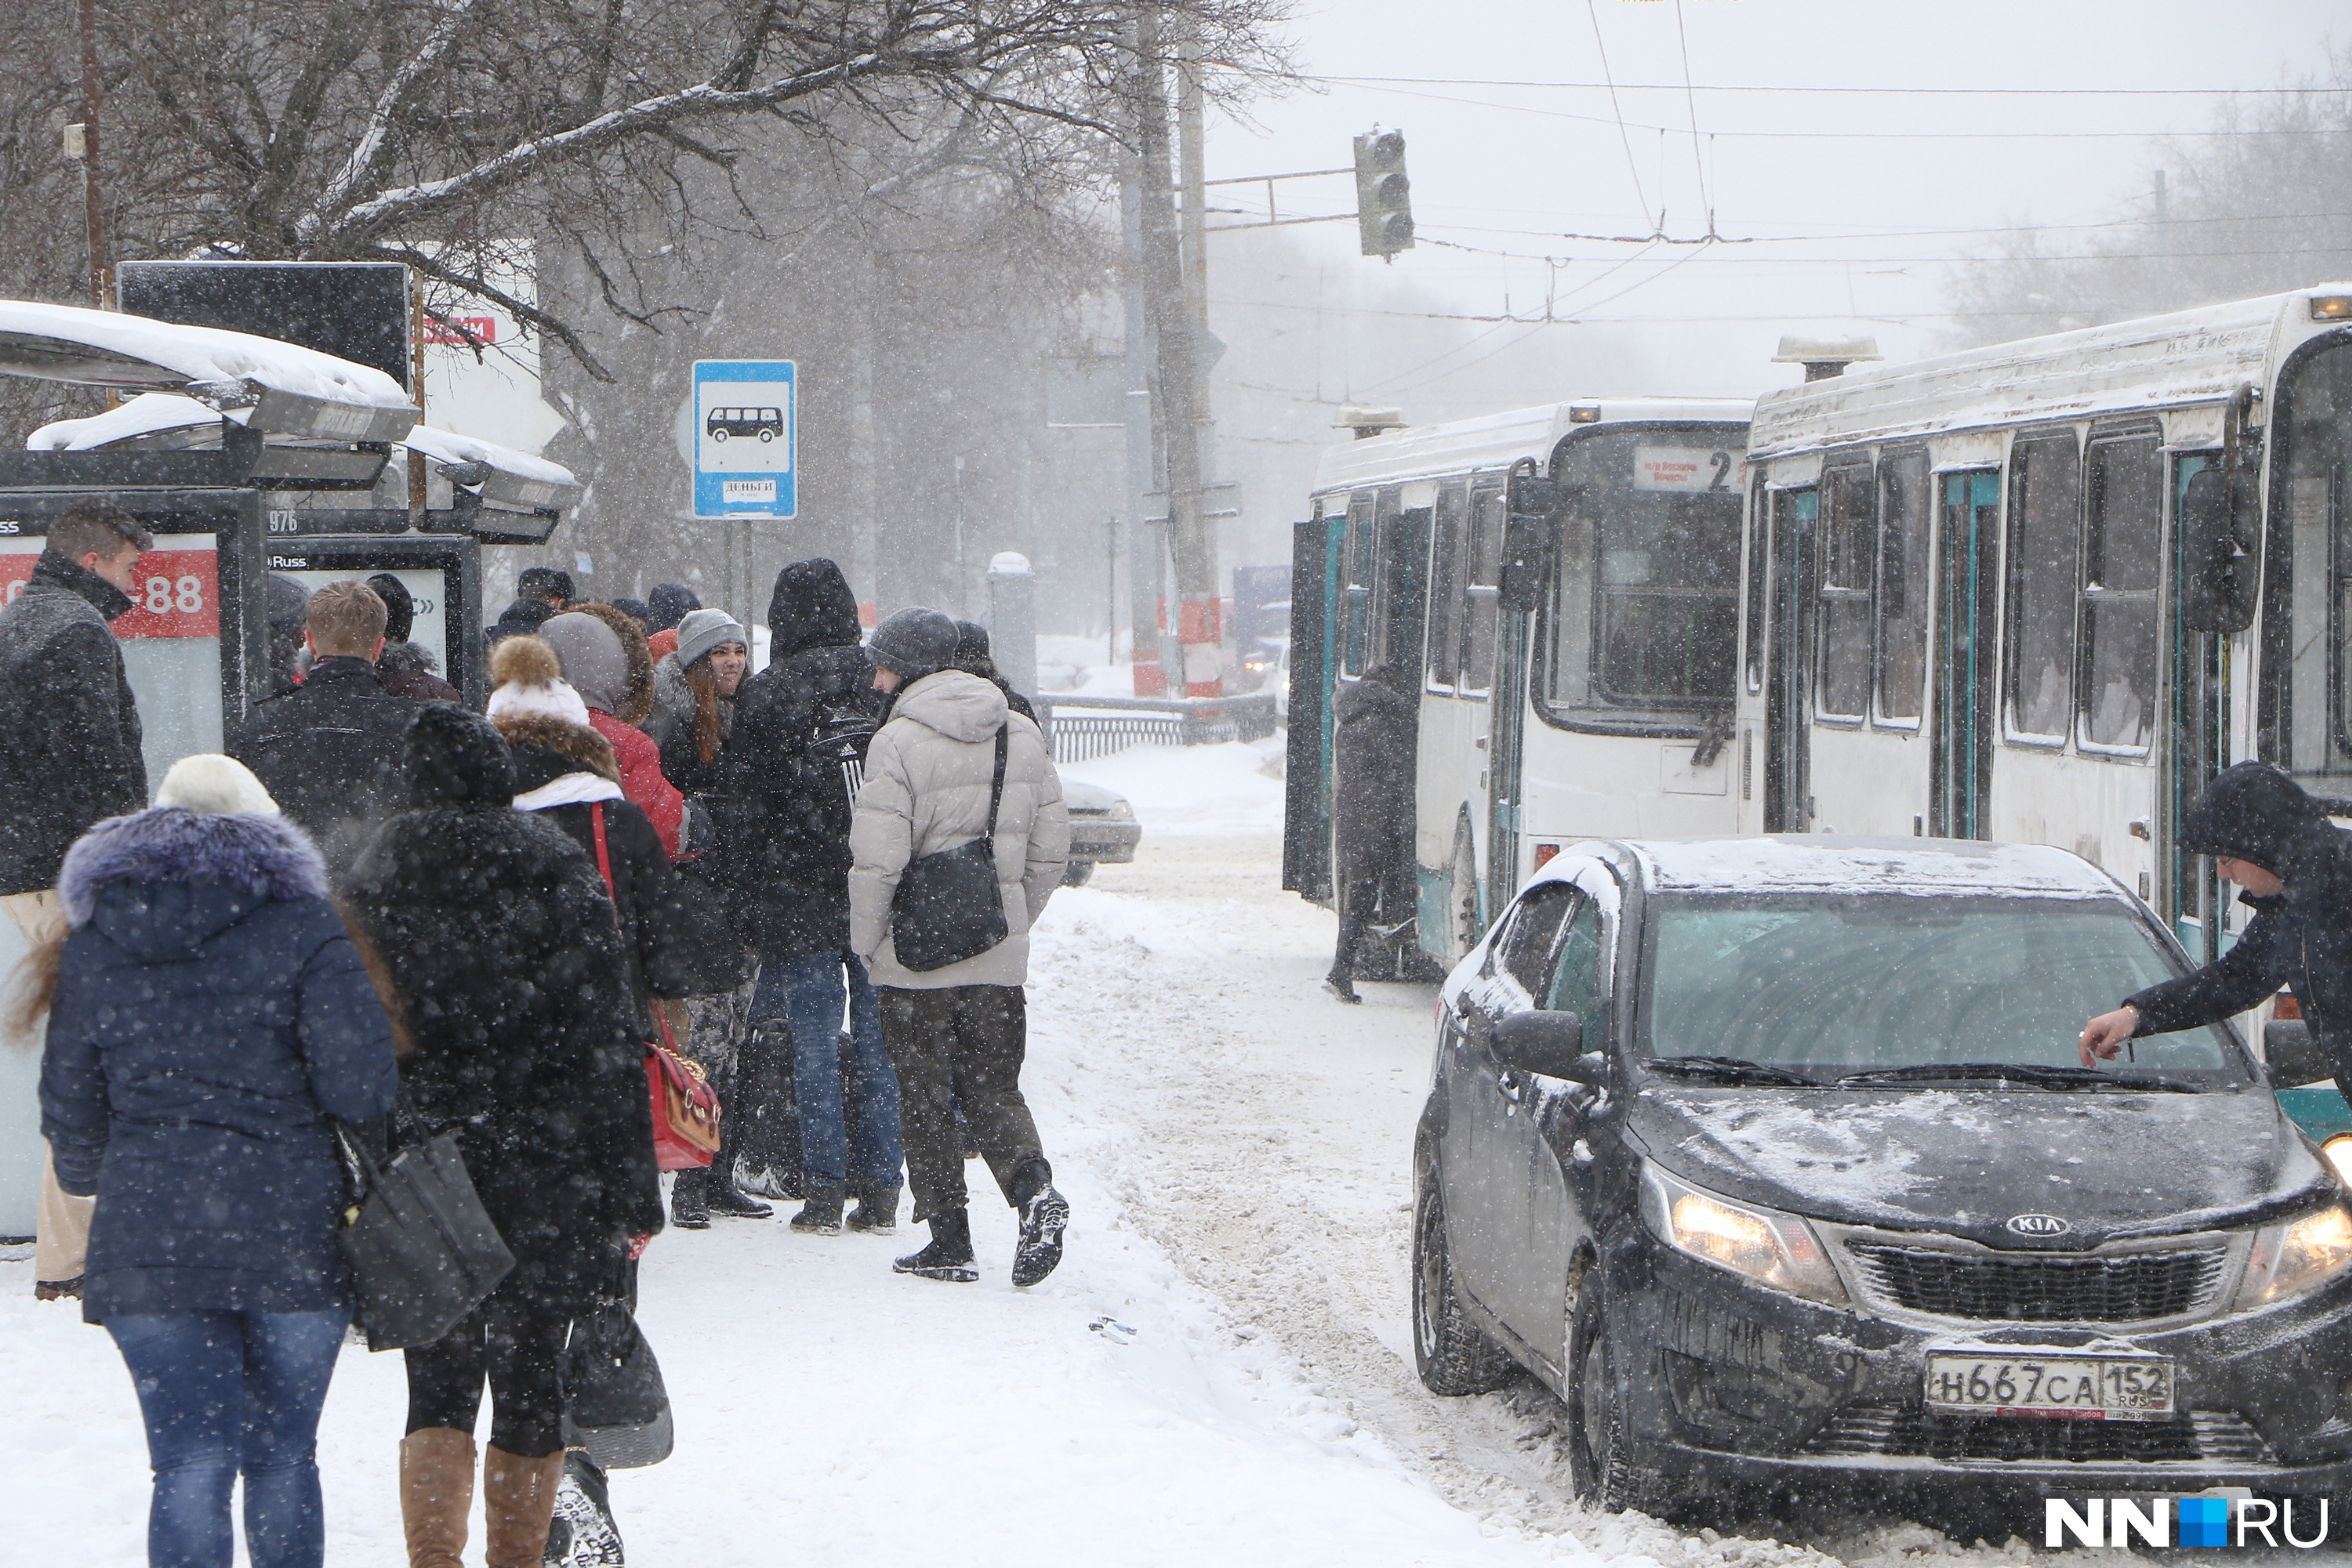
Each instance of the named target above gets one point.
<point>1383,194</point>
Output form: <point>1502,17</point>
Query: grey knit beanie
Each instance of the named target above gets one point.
<point>914,643</point>
<point>703,630</point>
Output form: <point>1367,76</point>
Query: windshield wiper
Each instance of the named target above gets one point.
<point>1729,1070</point>
<point>2019,1072</point>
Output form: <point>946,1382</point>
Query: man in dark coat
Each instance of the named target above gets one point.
<point>1373,746</point>
<point>70,737</point>
<point>540,594</point>
<point>406,667</point>
<point>782,812</point>
<point>331,752</point>
<point>2269,839</point>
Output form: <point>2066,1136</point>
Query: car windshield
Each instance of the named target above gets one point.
<point>1831,985</point>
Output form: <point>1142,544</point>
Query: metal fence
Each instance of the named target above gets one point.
<point>1084,728</point>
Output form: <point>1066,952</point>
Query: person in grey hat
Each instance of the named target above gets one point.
<point>913,643</point>
<point>694,711</point>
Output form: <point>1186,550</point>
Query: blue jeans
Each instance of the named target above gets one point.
<point>805,995</point>
<point>225,1393</point>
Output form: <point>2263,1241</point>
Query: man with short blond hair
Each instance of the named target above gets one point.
<point>331,752</point>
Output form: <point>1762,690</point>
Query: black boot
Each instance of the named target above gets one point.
<point>877,1211</point>
<point>689,1204</point>
<point>949,1257</point>
<point>583,1534</point>
<point>724,1198</point>
<point>821,1215</point>
<point>1039,1250</point>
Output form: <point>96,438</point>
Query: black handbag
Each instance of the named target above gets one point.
<point>616,1404</point>
<point>949,907</point>
<point>421,1250</point>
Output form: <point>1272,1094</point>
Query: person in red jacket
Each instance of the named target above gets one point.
<point>609,666</point>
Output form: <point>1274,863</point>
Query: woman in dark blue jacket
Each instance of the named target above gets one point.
<point>209,1014</point>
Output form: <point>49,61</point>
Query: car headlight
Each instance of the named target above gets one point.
<point>1120,812</point>
<point>2298,1256</point>
<point>2339,1151</point>
<point>1770,1248</point>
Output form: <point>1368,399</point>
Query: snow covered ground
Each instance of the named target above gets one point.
<point>1219,1375</point>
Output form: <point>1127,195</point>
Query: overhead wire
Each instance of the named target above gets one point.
<point>1801,89</point>
<point>1623,136</point>
<point>1690,101</point>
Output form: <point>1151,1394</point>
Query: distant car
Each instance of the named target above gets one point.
<point>766,423</point>
<point>1776,1161</point>
<point>1102,829</point>
<point>1282,684</point>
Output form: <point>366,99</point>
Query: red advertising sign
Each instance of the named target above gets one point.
<point>177,593</point>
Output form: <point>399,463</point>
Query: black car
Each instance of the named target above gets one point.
<point>1776,1161</point>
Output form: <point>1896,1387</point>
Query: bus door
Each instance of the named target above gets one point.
<point>1787,752</point>
<point>2198,741</point>
<point>1960,763</point>
<point>1505,750</point>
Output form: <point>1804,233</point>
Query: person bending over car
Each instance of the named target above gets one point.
<point>2273,841</point>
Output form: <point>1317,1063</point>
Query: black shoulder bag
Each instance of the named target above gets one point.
<point>949,907</point>
<point>423,1251</point>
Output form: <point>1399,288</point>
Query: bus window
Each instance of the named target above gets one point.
<point>1841,691</point>
<point>2122,544</point>
<point>1758,501</point>
<point>1480,591</point>
<point>1640,629</point>
<point>1447,563</point>
<point>2045,504</point>
<point>1904,571</point>
<point>1361,555</point>
<point>2309,608</point>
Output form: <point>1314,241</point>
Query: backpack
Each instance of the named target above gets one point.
<point>839,733</point>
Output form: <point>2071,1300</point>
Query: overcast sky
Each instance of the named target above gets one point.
<point>1872,178</point>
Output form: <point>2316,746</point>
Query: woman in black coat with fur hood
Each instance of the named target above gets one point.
<point>503,955</point>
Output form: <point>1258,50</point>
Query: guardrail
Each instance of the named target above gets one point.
<point>1083,727</point>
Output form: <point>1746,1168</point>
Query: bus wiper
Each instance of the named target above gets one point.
<point>2040,1077</point>
<point>1729,1070</point>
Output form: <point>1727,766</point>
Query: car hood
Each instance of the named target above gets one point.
<point>2108,1163</point>
<point>1092,799</point>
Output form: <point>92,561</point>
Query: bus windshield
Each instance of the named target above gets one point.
<point>1638,629</point>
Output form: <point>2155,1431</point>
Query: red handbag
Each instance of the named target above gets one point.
<point>685,1106</point>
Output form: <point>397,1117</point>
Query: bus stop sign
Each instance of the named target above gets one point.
<point>746,436</point>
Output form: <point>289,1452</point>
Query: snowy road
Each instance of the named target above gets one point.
<point>1219,1375</point>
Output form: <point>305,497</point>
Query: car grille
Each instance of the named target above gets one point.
<point>1899,1431</point>
<point>2073,1289</point>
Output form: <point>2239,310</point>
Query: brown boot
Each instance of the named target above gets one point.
<point>517,1501</point>
<point>436,1493</point>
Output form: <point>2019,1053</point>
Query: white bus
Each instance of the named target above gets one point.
<point>2043,592</point>
<point>1574,649</point>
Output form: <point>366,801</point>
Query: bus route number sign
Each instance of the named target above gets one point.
<point>1686,468</point>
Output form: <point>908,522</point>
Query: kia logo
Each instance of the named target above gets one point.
<point>2038,1224</point>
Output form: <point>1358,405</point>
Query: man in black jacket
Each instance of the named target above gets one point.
<point>1372,745</point>
<point>69,756</point>
<point>781,814</point>
<point>331,752</point>
<point>2269,839</point>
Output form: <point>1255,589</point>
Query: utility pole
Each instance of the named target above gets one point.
<point>93,196</point>
<point>1142,540</point>
<point>1178,409</point>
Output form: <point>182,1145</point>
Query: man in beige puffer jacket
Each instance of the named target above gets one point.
<point>956,1035</point>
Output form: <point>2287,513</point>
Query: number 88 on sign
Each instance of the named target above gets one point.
<point>176,593</point>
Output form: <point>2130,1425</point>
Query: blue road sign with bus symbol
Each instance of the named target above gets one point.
<point>746,438</point>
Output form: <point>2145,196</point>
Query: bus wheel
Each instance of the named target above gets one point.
<point>1463,895</point>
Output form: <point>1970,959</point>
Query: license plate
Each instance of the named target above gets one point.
<point>2083,1388</point>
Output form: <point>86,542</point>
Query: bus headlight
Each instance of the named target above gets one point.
<point>2298,1256</point>
<point>1772,1249</point>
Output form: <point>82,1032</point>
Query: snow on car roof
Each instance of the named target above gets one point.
<point>1498,440</point>
<point>139,345</point>
<point>2156,361</point>
<point>1805,864</point>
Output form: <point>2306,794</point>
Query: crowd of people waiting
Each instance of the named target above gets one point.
<point>384,916</point>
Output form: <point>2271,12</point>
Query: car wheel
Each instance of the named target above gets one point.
<point>1600,1460</point>
<point>1075,872</point>
<point>1464,896</point>
<point>1453,1354</point>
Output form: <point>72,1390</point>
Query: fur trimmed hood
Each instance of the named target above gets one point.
<point>268,856</point>
<point>576,744</point>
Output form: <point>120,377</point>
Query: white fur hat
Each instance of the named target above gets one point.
<point>215,785</point>
<point>530,683</point>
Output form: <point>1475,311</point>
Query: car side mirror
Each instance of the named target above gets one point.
<point>1527,533</point>
<point>2217,524</point>
<point>1551,1043</point>
<point>2290,1054</point>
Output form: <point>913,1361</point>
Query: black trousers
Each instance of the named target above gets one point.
<point>1364,902</point>
<point>517,1345</point>
<point>963,1045</point>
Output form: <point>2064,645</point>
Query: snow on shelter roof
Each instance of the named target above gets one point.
<point>270,385</point>
<point>1811,864</point>
<point>2156,361</point>
<point>1498,440</point>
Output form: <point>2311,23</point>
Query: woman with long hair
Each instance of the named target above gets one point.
<point>209,1016</point>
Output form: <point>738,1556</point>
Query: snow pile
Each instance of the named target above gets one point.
<point>203,353</point>
<point>444,447</point>
<point>1194,790</point>
<point>143,415</point>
